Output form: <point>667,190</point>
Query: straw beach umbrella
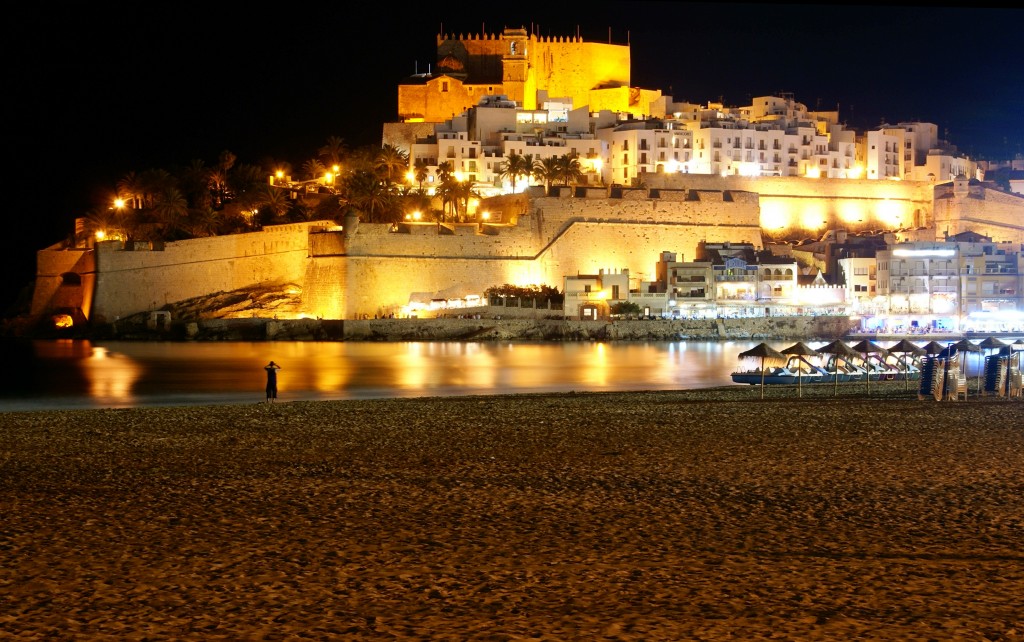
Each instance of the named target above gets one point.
<point>933,348</point>
<point>800,349</point>
<point>906,348</point>
<point>867,347</point>
<point>764,351</point>
<point>838,349</point>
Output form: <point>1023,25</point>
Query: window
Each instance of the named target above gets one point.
<point>444,86</point>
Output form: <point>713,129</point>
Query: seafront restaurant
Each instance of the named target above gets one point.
<point>979,322</point>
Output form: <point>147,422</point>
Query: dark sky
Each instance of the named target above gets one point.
<point>102,90</point>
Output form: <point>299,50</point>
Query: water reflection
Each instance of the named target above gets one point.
<point>81,374</point>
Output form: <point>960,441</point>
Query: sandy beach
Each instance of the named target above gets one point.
<point>689,515</point>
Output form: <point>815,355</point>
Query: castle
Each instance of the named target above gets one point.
<point>660,176</point>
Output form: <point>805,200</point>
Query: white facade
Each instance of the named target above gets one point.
<point>773,136</point>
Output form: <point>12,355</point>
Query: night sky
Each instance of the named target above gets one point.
<point>105,90</point>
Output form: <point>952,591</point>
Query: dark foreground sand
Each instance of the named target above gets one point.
<point>702,515</point>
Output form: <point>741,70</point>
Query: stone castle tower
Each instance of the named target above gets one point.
<point>519,65</point>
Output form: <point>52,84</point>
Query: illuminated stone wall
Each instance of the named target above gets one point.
<point>51,292</point>
<point>962,207</point>
<point>130,282</point>
<point>564,67</point>
<point>384,269</point>
<point>796,207</point>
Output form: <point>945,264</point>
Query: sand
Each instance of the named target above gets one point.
<point>691,515</point>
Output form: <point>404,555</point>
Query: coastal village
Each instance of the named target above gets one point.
<point>548,172</point>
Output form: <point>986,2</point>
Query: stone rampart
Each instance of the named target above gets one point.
<point>133,281</point>
<point>792,206</point>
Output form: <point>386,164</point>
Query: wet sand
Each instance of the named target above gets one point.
<point>691,515</point>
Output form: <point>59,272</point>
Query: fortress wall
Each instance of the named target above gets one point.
<point>586,248</point>
<point>556,213</point>
<point>993,214</point>
<point>572,69</point>
<point>50,292</point>
<point>798,207</point>
<point>324,290</point>
<point>130,282</point>
<point>378,239</point>
<point>374,286</point>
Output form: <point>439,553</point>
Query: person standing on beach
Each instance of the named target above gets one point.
<point>271,369</point>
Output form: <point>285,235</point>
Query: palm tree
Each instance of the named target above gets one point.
<point>569,169</point>
<point>170,208</point>
<point>547,170</point>
<point>512,168</point>
<point>130,189</point>
<point>446,184</point>
<point>420,172</point>
<point>333,150</point>
<point>273,200</point>
<point>313,168</point>
<point>461,192</point>
<point>364,191</point>
<point>389,160</point>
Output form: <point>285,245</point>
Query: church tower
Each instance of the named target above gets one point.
<point>515,67</point>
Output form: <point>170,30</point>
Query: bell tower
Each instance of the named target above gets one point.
<point>515,66</point>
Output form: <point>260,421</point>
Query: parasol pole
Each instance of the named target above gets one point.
<point>762,377</point>
<point>835,381</point>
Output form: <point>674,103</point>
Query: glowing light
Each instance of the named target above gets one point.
<point>63,321</point>
<point>773,215</point>
<point>100,235</point>
<point>813,172</point>
<point>119,203</point>
<point>905,252</point>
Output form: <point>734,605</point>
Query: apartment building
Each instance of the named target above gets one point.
<point>946,282</point>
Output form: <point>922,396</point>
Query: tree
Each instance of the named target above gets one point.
<point>420,172</point>
<point>169,211</point>
<point>333,150</point>
<point>364,191</point>
<point>446,184</point>
<point>391,160</point>
<point>547,170</point>
<point>313,169</point>
<point>515,167</point>
<point>569,169</point>
<point>461,192</point>
<point>624,307</point>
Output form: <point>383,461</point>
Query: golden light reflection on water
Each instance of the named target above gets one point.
<point>146,373</point>
<point>112,380</point>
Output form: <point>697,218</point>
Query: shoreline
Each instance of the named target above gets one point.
<point>695,514</point>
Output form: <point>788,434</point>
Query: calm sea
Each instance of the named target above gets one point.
<point>68,374</point>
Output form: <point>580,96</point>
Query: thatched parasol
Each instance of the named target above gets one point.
<point>800,349</point>
<point>764,351</point>
<point>839,349</point>
<point>933,348</point>
<point>906,347</point>
<point>868,347</point>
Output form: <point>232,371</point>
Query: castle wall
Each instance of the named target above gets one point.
<point>995,214</point>
<point>382,269</point>
<point>564,67</point>
<point>51,293</point>
<point>135,281</point>
<point>794,207</point>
